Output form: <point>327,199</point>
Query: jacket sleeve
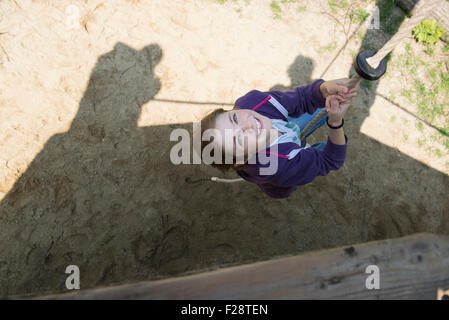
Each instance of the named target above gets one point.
<point>310,163</point>
<point>302,99</point>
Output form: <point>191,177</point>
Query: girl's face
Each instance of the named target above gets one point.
<point>243,131</point>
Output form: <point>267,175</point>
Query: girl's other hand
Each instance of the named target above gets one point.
<point>336,106</point>
<point>338,87</point>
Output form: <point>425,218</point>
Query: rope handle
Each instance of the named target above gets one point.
<point>351,84</point>
<point>422,10</point>
<point>216,179</point>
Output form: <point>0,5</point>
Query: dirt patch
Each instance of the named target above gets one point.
<point>85,122</point>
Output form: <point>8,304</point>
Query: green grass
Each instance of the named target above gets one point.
<point>406,93</point>
<point>301,9</point>
<point>445,131</point>
<point>428,32</point>
<point>276,10</point>
<point>327,48</point>
<point>422,142</point>
<point>393,25</point>
<point>365,84</point>
<point>353,53</point>
<point>429,50</point>
<point>335,5</point>
<point>420,126</point>
<point>446,47</point>
<point>408,47</point>
<point>425,98</point>
<point>389,20</point>
<point>405,137</point>
<point>433,73</point>
<point>444,76</point>
<point>360,15</point>
<point>438,153</point>
<point>366,102</point>
<point>385,8</point>
<point>419,87</point>
<point>446,143</point>
<point>361,35</point>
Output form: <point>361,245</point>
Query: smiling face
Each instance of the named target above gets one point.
<point>243,132</point>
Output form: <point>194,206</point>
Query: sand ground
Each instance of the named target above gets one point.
<point>89,94</point>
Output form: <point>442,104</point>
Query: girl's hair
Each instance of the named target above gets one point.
<point>208,122</point>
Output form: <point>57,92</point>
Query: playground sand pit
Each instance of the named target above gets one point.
<point>90,92</point>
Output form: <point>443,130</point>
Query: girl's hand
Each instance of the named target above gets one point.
<point>335,110</point>
<point>338,87</point>
<point>337,105</point>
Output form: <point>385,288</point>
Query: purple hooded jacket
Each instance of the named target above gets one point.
<point>309,162</point>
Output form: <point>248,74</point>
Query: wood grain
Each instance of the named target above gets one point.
<point>412,267</point>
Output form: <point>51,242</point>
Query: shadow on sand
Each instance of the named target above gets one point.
<point>104,196</point>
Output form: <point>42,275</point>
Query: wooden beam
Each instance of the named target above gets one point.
<point>412,267</point>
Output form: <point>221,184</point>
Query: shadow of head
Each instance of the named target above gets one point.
<point>299,72</point>
<point>120,83</point>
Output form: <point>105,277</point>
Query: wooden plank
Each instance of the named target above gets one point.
<point>412,267</point>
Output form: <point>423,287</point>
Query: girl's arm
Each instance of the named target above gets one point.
<point>310,163</point>
<point>309,98</point>
<point>302,99</point>
<point>336,107</point>
<point>305,99</point>
<point>337,136</point>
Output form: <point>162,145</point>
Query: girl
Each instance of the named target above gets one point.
<point>285,113</point>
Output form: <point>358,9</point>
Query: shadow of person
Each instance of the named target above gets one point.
<point>62,209</point>
<point>104,196</point>
<point>299,72</point>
